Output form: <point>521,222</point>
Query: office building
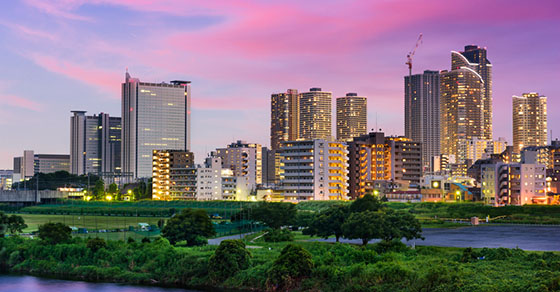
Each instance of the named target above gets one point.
<point>422,112</point>
<point>173,176</point>
<point>314,170</point>
<point>351,116</point>
<point>512,184</point>
<point>6,179</point>
<point>284,118</point>
<point>244,159</point>
<point>29,164</point>
<point>475,58</point>
<point>529,121</point>
<point>461,108</point>
<point>155,116</point>
<point>95,144</point>
<point>315,114</point>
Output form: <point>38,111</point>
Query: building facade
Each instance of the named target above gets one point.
<point>529,121</point>
<point>155,116</point>
<point>422,113</point>
<point>475,58</point>
<point>512,184</point>
<point>315,114</point>
<point>351,116</point>
<point>172,176</point>
<point>461,108</point>
<point>95,144</point>
<point>314,170</point>
<point>244,159</point>
<point>284,117</point>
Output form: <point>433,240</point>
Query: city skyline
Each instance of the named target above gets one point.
<point>75,54</point>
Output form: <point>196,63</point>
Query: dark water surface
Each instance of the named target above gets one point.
<point>16,283</point>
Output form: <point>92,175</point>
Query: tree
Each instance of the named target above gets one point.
<point>365,225</point>
<point>293,264</point>
<point>96,244</point>
<point>366,203</point>
<point>328,222</point>
<point>188,225</point>
<point>273,215</point>
<point>3,224</point>
<point>228,259</point>
<point>99,190</point>
<point>400,224</point>
<point>16,224</point>
<point>55,233</point>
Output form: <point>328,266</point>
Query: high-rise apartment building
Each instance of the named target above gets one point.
<point>95,143</point>
<point>422,113</point>
<point>315,114</point>
<point>172,176</point>
<point>529,121</point>
<point>461,107</point>
<point>474,57</point>
<point>374,157</point>
<point>284,118</point>
<point>244,159</point>
<point>351,116</point>
<point>155,116</point>
<point>314,170</point>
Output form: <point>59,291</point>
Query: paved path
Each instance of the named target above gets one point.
<point>541,238</point>
<point>218,240</point>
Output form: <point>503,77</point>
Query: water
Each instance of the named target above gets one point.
<point>12,283</point>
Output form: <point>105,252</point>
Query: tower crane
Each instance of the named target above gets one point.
<point>411,54</point>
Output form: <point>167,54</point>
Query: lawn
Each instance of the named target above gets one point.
<point>89,221</point>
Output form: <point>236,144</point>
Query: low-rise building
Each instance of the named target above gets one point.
<point>512,184</point>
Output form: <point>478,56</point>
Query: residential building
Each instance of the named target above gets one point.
<point>512,184</point>
<point>6,179</point>
<point>315,114</point>
<point>462,108</point>
<point>244,159</point>
<point>374,157</point>
<point>172,176</point>
<point>529,121</point>
<point>422,113</point>
<point>268,166</point>
<point>351,116</point>
<point>475,58</point>
<point>284,117</point>
<point>314,170</point>
<point>155,116</point>
<point>95,144</point>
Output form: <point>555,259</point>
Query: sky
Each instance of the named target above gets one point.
<point>63,55</point>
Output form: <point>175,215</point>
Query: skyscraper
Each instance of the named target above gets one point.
<point>95,143</point>
<point>315,114</point>
<point>351,116</point>
<point>474,57</point>
<point>155,116</point>
<point>461,108</point>
<point>284,117</point>
<point>529,121</point>
<point>422,113</point>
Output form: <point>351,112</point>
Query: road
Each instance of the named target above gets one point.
<point>539,238</point>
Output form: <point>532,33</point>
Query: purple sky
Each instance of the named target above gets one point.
<point>58,56</point>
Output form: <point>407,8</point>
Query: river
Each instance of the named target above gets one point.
<point>16,283</point>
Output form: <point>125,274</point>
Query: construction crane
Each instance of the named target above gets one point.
<point>411,54</point>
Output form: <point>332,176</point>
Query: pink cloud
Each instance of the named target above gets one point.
<point>61,8</point>
<point>86,73</point>
<point>20,102</point>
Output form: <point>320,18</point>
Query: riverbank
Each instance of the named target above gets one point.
<point>336,267</point>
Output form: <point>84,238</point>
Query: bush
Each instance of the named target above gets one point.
<point>389,246</point>
<point>278,235</point>
<point>228,259</point>
<point>190,225</point>
<point>293,264</point>
<point>55,233</point>
<point>96,244</point>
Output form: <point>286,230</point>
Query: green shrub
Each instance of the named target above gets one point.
<point>54,233</point>
<point>228,259</point>
<point>96,244</point>
<point>389,246</point>
<point>278,235</point>
<point>293,264</point>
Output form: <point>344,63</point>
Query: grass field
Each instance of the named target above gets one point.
<point>90,222</point>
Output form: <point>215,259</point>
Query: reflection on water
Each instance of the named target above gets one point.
<point>11,283</point>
